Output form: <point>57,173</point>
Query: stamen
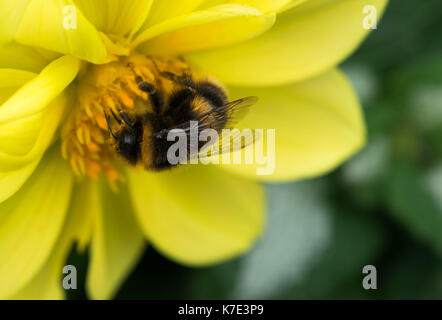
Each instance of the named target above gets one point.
<point>108,98</point>
<point>80,135</point>
<point>125,99</point>
<point>109,126</point>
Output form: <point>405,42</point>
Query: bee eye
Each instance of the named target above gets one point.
<point>129,145</point>
<point>129,139</point>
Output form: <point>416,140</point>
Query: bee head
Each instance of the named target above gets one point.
<point>128,142</point>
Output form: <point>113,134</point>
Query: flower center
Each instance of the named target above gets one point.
<point>106,97</point>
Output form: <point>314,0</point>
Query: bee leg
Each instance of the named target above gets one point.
<point>126,118</point>
<point>116,117</point>
<point>122,116</point>
<point>155,97</point>
<point>185,79</point>
<point>109,126</point>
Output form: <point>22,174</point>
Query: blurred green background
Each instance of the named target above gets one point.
<point>383,207</point>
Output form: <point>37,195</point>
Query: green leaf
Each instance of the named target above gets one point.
<point>369,164</point>
<point>408,29</point>
<point>412,205</point>
<point>413,273</point>
<point>298,231</point>
<point>433,184</point>
<point>357,241</point>
<point>214,282</point>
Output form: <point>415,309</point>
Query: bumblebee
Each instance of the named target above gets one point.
<point>174,100</point>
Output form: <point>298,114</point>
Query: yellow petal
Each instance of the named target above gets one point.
<point>262,5</point>
<point>163,10</point>
<point>318,124</point>
<point>117,17</point>
<point>29,119</point>
<point>11,80</point>
<point>18,137</point>
<point>37,94</point>
<point>11,14</point>
<point>196,214</point>
<point>47,283</point>
<point>84,203</point>
<point>206,29</point>
<point>304,42</point>
<point>45,24</point>
<point>12,181</point>
<point>43,138</point>
<point>31,221</point>
<point>117,242</point>
<point>17,56</point>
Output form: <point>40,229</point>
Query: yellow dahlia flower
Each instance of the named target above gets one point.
<point>58,186</point>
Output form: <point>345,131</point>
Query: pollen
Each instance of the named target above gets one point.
<point>103,94</point>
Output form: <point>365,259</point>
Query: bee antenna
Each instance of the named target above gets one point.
<point>147,87</point>
<point>126,119</point>
<point>109,126</point>
<point>155,97</point>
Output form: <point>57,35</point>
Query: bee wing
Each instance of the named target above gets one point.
<point>229,114</point>
<point>227,142</point>
<point>225,116</point>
